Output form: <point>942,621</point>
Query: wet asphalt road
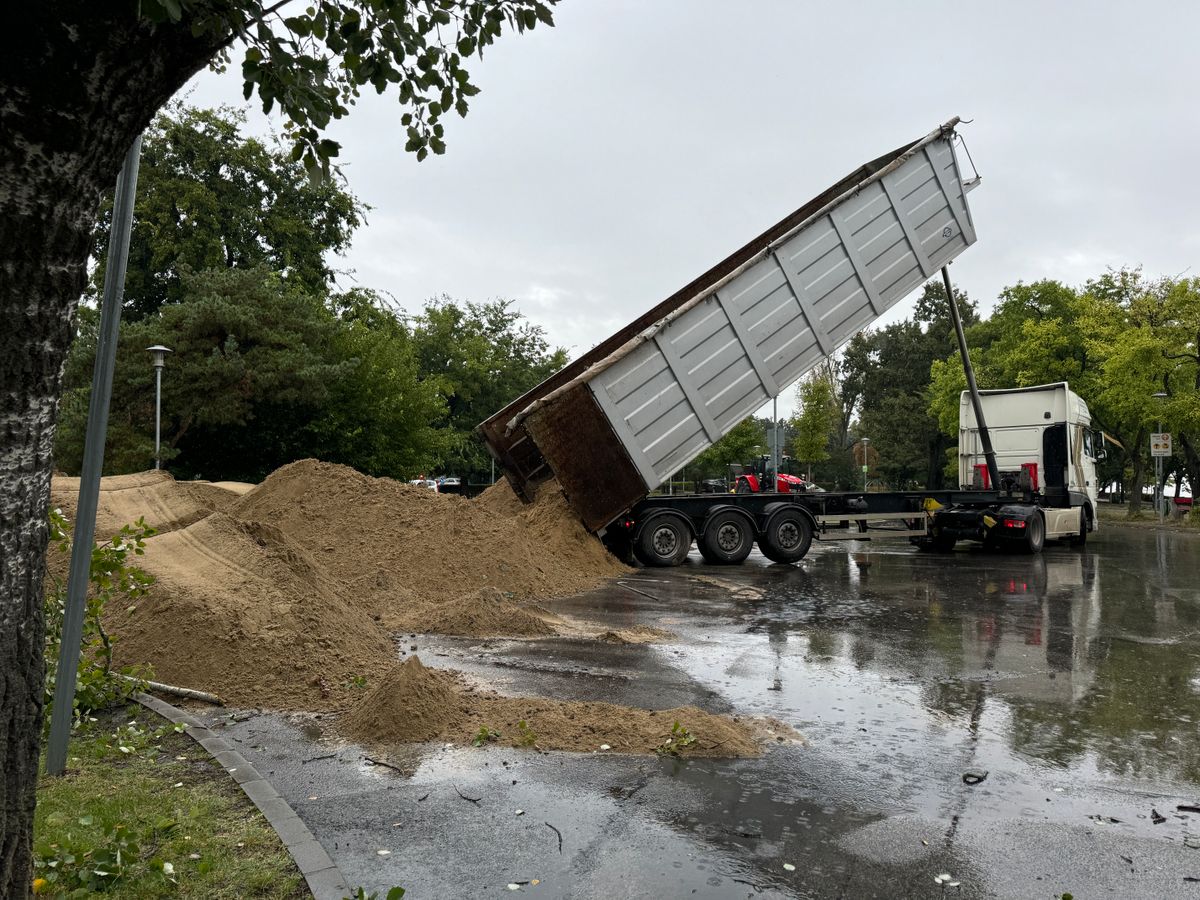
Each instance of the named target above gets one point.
<point>1072,679</point>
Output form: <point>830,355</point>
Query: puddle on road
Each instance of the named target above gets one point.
<point>1069,669</point>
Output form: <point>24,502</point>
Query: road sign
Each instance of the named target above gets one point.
<point>865,469</point>
<point>1160,444</point>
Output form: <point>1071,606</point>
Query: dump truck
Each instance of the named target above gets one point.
<point>616,423</point>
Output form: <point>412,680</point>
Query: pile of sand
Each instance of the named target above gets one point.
<point>284,595</point>
<point>406,551</point>
<point>240,610</point>
<point>412,703</point>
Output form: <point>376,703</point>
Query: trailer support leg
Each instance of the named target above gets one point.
<point>985,436</point>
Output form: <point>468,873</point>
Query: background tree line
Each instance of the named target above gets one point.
<point>1118,340</point>
<point>272,362</point>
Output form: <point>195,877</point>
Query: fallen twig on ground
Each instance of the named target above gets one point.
<point>386,765</point>
<point>315,758</point>
<point>556,831</point>
<point>464,796</point>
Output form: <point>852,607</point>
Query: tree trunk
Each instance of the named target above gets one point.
<point>1138,479</point>
<point>78,81</point>
<point>1191,460</point>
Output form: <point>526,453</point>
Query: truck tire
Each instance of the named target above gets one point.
<point>787,537</point>
<point>1035,534</point>
<point>1080,539</point>
<point>664,541</point>
<point>728,538</point>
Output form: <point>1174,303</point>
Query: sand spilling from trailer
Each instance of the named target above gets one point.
<point>420,561</point>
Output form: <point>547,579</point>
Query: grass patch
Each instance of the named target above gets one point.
<point>144,812</point>
<point>1117,515</point>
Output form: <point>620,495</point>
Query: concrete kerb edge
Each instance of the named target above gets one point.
<point>325,881</point>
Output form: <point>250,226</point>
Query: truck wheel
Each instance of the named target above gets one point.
<point>1035,534</point>
<point>787,537</point>
<point>1080,539</point>
<point>727,539</point>
<point>665,541</point>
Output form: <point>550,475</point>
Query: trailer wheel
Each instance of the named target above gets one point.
<point>727,539</point>
<point>1035,534</point>
<point>787,537</point>
<point>664,541</point>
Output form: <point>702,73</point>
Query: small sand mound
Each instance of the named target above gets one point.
<point>406,546</point>
<point>638,634</point>
<point>240,610</point>
<point>413,703</point>
<point>486,613</point>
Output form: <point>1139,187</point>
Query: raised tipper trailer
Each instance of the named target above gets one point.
<point>619,421</point>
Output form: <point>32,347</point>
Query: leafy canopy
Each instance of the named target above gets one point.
<point>483,356</point>
<point>313,61</point>
<point>210,197</point>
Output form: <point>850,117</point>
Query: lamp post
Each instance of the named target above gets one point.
<point>866,464</point>
<point>160,360</point>
<point>1158,504</point>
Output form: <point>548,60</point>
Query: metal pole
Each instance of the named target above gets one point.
<point>866,445</point>
<point>985,436</point>
<point>157,416</point>
<point>93,460</point>
<point>775,453</point>
<point>1158,491</point>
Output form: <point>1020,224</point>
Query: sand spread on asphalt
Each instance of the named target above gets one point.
<point>413,703</point>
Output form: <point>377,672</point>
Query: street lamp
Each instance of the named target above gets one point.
<point>160,360</point>
<point>1158,499</point>
<point>866,463</point>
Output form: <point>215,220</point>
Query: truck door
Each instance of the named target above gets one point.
<point>1055,460</point>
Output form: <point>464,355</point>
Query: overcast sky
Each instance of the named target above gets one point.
<point>613,158</point>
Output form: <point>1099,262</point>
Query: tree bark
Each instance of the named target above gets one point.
<point>1138,479</point>
<point>1191,460</point>
<point>78,81</point>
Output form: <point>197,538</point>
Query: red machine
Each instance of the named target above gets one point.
<point>756,478</point>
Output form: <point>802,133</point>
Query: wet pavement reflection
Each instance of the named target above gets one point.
<point>1065,685</point>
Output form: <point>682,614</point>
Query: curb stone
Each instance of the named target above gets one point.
<point>324,879</point>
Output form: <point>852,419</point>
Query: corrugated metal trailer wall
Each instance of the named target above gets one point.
<point>622,419</point>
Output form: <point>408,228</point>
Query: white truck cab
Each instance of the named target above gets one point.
<point>1044,444</point>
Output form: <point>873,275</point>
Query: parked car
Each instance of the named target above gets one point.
<point>425,482</point>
